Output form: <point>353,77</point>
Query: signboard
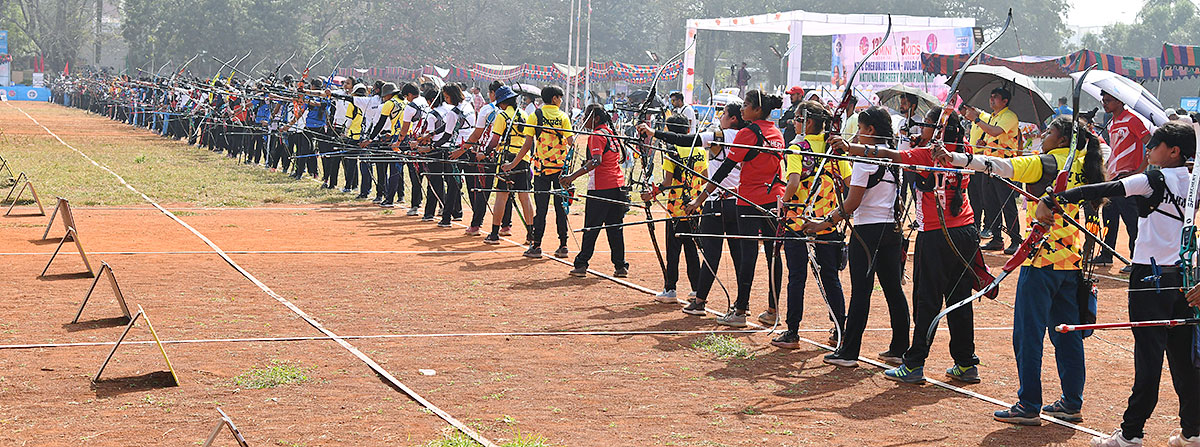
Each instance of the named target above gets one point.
<point>5,67</point>
<point>39,79</point>
<point>1190,103</point>
<point>899,61</point>
<point>23,93</point>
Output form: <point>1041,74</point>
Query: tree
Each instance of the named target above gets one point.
<point>57,29</point>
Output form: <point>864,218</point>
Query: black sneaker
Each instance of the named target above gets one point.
<point>534,252</point>
<point>1059,410</point>
<point>492,239</point>
<point>362,197</point>
<point>621,272</point>
<point>993,245</point>
<point>579,272</point>
<point>968,374</point>
<point>891,358</point>
<point>985,234</point>
<point>787,340</point>
<point>376,200</point>
<point>696,307</point>
<point>561,253</point>
<point>836,359</point>
<point>1012,248</point>
<point>1018,415</point>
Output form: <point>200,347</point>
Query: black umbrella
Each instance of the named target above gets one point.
<point>1028,102</point>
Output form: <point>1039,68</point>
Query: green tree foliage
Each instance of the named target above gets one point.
<point>1173,21</point>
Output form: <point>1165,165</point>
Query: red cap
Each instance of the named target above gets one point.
<point>795,90</point>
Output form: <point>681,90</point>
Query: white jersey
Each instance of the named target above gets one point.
<point>372,112</point>
<point>734,178</point>
<point>879,201</point>
<point>1158,233</point>
<point>339,113</point>
<point>468,111</point>
<point>441,124</point>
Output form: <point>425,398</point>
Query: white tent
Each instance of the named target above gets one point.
<point>803,23</point>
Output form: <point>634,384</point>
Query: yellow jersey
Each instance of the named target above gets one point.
<point>684,185</point>
<point>835,173</point>
<point>1003,145</point>
<point>1063,244</point>
<point>515,137</point>
<point>550,146</point>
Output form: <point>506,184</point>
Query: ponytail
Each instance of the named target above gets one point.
<point>768,103</point>
<point>879,119</point>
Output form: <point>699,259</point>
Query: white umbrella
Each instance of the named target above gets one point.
<point>891,97</point>
<point>1028,102</point>
<point>1137,98</point>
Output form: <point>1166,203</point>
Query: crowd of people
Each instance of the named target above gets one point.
<point>821,190</point>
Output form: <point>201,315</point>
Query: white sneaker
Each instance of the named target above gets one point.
<point>1177,440</point>
<point>1115,440</point>
<point>767,317</point>
<point>666,296</point>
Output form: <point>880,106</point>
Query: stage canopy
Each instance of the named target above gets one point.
<point>797,24</point>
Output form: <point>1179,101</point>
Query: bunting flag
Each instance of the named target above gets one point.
<point>1180,55</point>
<point>557,73</point>
<point>1139,69</point>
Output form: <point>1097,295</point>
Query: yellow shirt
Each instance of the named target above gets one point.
<point>977,132</point>
<point>550,148</point>
<point>689,185</point>
<point>1062,246</point>
<point>354,129</point>
<point>392,109</point>
<point>1003,145</point>
<point>835,172</point>
<point>516,139</point>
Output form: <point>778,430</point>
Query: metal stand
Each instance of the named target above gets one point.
<point>25,185</point>
<point>74,237</point>
<point>226,422</point>
<point>4,166</point>
<point>112,281</point>
<point>140,314</point>
<point>68,217</point>
<point>13,188</point>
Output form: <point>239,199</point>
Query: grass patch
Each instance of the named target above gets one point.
<point>723,346</point>
<point>457,439</point>
<point>279,373</point>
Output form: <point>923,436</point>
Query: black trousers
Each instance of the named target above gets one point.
<point>414,177</point>
<point>1150,343</point>
<point>677,245</point>
<point>939,276</point>
<point>435,189</point>
<point>279,150</point>
<point>710,247</point>
<point>1000,202</point>
<point>479,199</point>
<point>302,146</point>
<point>876,250</point>
<point>1118,210</point>
<point>452,208</point>
<point>750,225</point>
<point>542,202</point>
<point>828,259</point>
<point>324,145</point>
<point>350,165</point>
<point>601,212</point>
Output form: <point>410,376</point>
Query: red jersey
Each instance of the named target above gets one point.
<point>608,175</point>
<point>927,214</point>
<point>1125,134</point>
<point>760,171</point>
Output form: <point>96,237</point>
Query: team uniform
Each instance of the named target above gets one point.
<point>549,162</point>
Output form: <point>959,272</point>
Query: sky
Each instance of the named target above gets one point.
<point>1088,13</point>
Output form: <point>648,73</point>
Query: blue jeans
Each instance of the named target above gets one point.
<point>1046,298</point>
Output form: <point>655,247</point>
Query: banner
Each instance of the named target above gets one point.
<point>5,60</point>
<point>899,60</point>
<point>23,93</point>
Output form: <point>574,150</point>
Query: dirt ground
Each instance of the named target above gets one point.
<point>431,289</point>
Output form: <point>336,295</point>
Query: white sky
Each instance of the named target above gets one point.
<point>1088,13</point>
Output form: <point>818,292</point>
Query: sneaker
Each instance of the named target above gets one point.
<point>905,374</point>
<point>411,211</point>
<point>472,231</point>
<point>1059,410</point>
<point>492,239</point>
<point>696,307</point>
<point>456,218</point>
<point>834,338</point>
<point>692,295</point>
<point>376,200</point>
<point>579,272</point>
<point>506,231</point>
<point>733,318</point>
<point>969,374</point>
<point>1012,248</point>
<point>444,225</point>
<point>1116,439</point>
<point>621,272</point>
<point>768,317</point>
<point>891,357</point>
<point>1177,440</point>
<point>666,296</point>
<point>362,197</point>
<point>562,252</point>
<point>387,205</point>
<point>1018,415</point>
<point>985,234</point>
<point>835,359</point>
<point>787,340</point>
<point>427,219</point>
<point>347,190</point>
<point>1127,270</point>
<point>993,245</point>
<point>534,252</point>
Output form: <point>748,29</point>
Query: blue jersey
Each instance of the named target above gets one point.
<point>317,114</point>
<point>262,111</point>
